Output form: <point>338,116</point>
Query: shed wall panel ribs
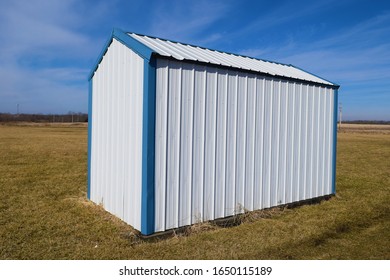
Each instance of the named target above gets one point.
<point>229,141</point>
<point>220,153</point>
<point>116,156</point>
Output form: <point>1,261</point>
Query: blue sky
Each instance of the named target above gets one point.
<point>47,47</point>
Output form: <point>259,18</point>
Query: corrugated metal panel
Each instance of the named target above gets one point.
<point>228,141</point>
<point>181,51</point>
<point>116,157</point>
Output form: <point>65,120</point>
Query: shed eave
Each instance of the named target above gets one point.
<point>334,85</point>
<point>328,84</point>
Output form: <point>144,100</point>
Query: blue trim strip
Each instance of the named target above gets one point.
<point>148,148</point>
<point>142,50</point>
<point>334,141</point>
<point>100,58</point>
<point>89,138</point>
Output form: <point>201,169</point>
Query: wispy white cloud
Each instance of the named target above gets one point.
<point>269,51</point>
<point>47,46</point>
<point>41,42</point>
<point>210,39</point>
<point>43,28</point>
<point>354,54</point>
<point>65,74</point>
<point>285,12</point>
<point>352,66</point>
<point>56,90</point>
<point>375,29</point>
<point>183,20</point>
<point>255,52</point>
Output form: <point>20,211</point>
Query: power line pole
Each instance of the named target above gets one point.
<point>340,115</point>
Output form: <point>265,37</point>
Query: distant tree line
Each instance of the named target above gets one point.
<point>69,117</point>
<point>367,122</point>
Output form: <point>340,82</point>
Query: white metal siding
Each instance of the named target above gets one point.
<point>228,141</point>
<point>116,156</point>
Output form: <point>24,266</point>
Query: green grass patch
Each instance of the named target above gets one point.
<point>44,213</point>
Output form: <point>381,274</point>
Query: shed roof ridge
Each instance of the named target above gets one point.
<point>210,49</point>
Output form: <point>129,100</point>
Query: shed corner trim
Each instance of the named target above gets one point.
<point>334,141</point>
<point>148,148</point>
<point>89,138</point>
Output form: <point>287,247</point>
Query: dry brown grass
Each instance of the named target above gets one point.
<point>44,213</point>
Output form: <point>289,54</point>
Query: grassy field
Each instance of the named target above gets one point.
<point>44,213</point>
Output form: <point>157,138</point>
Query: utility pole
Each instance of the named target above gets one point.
<point>340,115</point>
<point>17,109</point>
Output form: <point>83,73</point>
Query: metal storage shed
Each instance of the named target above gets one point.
<point>180,134</point>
